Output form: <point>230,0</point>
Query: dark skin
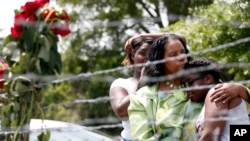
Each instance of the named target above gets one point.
<point>173,49</point>
<point>121,97</point>
<point>211,112</point>
<point>212,108</point>
<point>226,91</point>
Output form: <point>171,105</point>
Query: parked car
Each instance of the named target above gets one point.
<point>64,131</point>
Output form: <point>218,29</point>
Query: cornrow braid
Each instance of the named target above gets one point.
<point>205,62</point>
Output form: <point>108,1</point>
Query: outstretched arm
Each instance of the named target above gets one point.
<point>226,91</point>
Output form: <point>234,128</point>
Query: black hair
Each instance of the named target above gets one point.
<point>157,53</point>
<point>137,43</point>
<point>209,66</point>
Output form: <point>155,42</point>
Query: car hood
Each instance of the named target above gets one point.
<point>64,131</point>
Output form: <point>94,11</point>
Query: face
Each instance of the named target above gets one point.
<point>140,55</point>
<point>196,95</point>
<point>174,51</point>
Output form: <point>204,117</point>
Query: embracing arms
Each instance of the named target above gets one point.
<point>217,114</point>
<point>213,119</point>
<point>226,91</point>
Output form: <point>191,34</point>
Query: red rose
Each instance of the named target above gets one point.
<point>60,27</point>
<point>58,21</point>
<point>16,31</point>
<point>30,8</point>
<point>49,14</point>
<point>3,68</point>
<point>34,5</point>
<point>64,15</point>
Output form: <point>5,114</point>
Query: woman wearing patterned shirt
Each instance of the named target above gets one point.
<point>160,110</point>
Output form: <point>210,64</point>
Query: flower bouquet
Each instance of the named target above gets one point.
<point>31,48</point>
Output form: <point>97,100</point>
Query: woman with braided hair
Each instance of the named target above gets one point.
<point>160,110</point>
<point>136,49</point>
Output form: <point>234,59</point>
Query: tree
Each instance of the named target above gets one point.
<point>210,28</point>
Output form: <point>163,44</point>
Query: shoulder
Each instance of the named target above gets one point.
<point>121,82</point>
<point>118,80</point>
<point>144,98</point>
<point>146,91</point>
<point>215,106</point>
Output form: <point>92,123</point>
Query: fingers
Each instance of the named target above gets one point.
<point>222,92</point>
<point>216,95</point>
<point>224,98</point>
<point>218,86</point>
<point>227,99</point>
<point>216,91</point>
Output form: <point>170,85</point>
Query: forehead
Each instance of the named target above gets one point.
<point>174,45</point>
<point>145,46</point>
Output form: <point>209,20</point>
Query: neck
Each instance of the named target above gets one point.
<point>170,84</point>
<point>137,76</point>
<point>175,82</point>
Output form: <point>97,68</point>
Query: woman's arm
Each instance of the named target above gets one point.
<point>226,91</point>
<point>119,101</point>
<point>141,128</point>
<point>213,119</point>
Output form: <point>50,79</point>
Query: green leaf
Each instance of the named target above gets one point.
<point>44,54</point>
<point>44,136</point>
<point>9,48</point>
<point>16,55</point>
<point>43,40</point>
<point>38,67</point>
<point>19,86</point>
<point>30,33</point>
<point>8,39</point>
<point>55,61</point>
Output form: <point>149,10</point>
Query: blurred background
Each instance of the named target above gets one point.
<point>93,52</point>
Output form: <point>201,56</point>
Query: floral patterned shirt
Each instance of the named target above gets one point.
<point>156,115</point>
<point>175,116</point>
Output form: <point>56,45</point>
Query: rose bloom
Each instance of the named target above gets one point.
<point>3,68</point>
<point>58,20</point>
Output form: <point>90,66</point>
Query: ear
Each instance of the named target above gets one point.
<point>209,79</point>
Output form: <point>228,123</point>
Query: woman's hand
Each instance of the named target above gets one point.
<point>228,91</point>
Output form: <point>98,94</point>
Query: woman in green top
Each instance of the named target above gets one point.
<point>160,110</point>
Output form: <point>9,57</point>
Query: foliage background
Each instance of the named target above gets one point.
<point>100,29</point>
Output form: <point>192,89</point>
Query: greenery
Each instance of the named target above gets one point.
<point>100,29</point>
<point>30,50</point>
<point>210,28</point>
